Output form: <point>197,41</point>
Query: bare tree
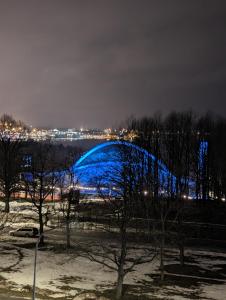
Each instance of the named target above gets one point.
<point>69,192</point>
<point>218,159</point>
<point>68,204</point>
<point>178,145</point>
<point>10,158</point>
<point>122,188</point>
<point>169,140</point>
<point>151,136</point>
<point>41,179</point>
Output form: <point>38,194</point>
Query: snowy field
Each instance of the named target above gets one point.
<point>63,274</point>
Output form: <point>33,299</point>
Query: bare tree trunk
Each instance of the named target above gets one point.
<point>181,240</point>
<point>162,267</point>
<point>6,205</point>
<point>68,233</point>
<point>68,219</point>
<point>119,286</point>
<point>162,248</point>
<point>181,249</point>
<point>41,243</point>
<point>7,200</point>
<point>121,273</point>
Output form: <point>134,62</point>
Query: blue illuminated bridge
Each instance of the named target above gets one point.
<point>102,165</point>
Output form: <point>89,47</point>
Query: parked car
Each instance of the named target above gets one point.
<point>25,232</point>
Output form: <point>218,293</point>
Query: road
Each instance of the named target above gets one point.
<point>58,236</point>
<point>77,235</point>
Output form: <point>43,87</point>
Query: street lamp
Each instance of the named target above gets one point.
<point>35,264</point>
<point>145,193</point>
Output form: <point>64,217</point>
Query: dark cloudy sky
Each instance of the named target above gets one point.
<point>96,62</point>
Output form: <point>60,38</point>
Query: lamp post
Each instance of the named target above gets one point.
<point>35,264</point>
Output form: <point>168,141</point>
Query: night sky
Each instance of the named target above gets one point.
<point>95,63</point>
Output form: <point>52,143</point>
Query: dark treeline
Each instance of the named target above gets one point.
<point>191,146</point>
<point>193,150</point>
<point>18,157</point>
<point>31,168</point>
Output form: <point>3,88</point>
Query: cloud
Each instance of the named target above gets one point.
<point>95,63</point>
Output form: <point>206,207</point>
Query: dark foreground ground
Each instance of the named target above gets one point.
<point>203,276</point>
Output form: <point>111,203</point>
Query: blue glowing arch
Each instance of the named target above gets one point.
<point>118,143</point>
<point>99,160</point>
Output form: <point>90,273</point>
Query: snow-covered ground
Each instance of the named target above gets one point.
<point>63,274</point>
